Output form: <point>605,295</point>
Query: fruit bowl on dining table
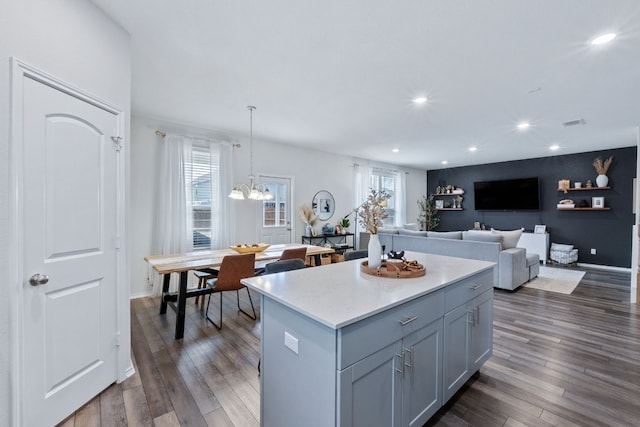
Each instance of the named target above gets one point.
<point>247,249</point>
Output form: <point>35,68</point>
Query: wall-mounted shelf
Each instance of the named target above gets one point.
<point>584,209</point>
<point>585,189</point>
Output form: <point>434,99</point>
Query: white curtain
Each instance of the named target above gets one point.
<point>173,227</point>
<point>222,228</point>
<point>401,198</point>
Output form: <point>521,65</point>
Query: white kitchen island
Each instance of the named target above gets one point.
<point>343,348</point>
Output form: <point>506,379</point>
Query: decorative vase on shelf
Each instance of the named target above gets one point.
<point>307,230</point>
<point>602,180</point>
<point>375,251</point>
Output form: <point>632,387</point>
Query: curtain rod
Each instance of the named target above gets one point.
<point>164,134</point>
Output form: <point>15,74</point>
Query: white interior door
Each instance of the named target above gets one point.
<point>70,226</point>
<point>276,214</point>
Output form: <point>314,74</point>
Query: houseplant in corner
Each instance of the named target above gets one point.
<point>601,168</point>
<point>371,213</point>
<point>428,217</point>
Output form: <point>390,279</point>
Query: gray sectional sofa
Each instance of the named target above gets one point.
<point>513,266</point>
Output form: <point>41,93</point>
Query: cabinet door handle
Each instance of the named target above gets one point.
<point>475,287</point>
<point>401,356</point>
<point>477,315</point>
<point>472,313</point>
<point>408,320</point>
<point>410,351</point>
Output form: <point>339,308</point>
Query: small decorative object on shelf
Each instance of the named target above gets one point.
<point>563,185</point>
<point>589,184</point>
<point>597,202</point>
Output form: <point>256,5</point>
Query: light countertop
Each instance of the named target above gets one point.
<point>339,294</point>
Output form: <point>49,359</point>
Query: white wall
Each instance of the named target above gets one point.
<point>75,42</point>
<point>311,169</point>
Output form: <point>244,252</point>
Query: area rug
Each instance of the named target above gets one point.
<point>559,280</point>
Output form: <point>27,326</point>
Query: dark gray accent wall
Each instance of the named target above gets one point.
<point>609,232</point>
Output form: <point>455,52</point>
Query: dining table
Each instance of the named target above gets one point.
<point>182,263</point>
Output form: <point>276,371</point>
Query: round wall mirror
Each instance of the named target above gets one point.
<point>323,205</point>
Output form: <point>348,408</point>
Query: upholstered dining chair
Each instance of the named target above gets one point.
<point>361,253</point>
<point>288,254</point>
<point>204,275</point>
<point>232,270</point>
<point>294,253</point>
<point>280,266</point>
<point>284,265</point>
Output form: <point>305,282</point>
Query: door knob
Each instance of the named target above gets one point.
<point>38,279</point>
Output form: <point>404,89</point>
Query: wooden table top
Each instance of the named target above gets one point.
<point>196,260</point>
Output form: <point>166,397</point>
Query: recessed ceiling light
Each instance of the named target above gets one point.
<point>444,162</point>
<point>420,100</point>
<point>603,39</point>
<point>474,148</point>
<point>523,125</point>
<point>396,150</point>
<point>554,147</point>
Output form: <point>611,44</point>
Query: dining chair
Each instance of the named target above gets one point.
<point>284,265</point>
<point>279,267</point>
<point>288,254</point>
<point>204,275</point>
<point>361,253</point>
<point>232,269</point>
<point>294,253</point>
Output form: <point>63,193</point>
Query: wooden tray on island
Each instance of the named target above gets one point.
<point>382,271</point>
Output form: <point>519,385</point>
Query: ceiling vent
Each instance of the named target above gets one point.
<point>574,123</point>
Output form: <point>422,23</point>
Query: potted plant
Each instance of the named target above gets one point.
<point>428,217</point>
<point>344,222</point>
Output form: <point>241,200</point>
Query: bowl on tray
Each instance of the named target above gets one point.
<point>247,249</point>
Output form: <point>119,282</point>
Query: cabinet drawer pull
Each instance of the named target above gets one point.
<point>475,287</point>
<point>409,320</point>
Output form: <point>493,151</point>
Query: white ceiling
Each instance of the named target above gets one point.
<point>340,75</point>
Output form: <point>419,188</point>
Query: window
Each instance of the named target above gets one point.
<point>389,180</point>
<point>274,212</point>
<point>200,170</point>
<point>382,179</point>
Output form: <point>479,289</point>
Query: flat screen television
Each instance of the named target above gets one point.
<point>507,194</point>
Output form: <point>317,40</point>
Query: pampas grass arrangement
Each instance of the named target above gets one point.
<point>306,214</point>
<point>602,167</point>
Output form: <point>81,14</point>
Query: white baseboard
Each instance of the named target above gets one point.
<point>140,295</point>
<point>605,267</point>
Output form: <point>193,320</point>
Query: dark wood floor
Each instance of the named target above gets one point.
<point>570,360</point>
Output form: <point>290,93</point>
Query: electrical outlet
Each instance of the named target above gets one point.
<point>291,342</point>
<point>593,251</point>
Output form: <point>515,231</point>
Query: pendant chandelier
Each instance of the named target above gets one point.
<point>253,191</point>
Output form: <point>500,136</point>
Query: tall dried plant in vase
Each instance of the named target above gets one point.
<point>308,217</point>
<point>371,212</point>
<point>602,180</point>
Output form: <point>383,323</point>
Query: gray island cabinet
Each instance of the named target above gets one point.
<point>343,348</point>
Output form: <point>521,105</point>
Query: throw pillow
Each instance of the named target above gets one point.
<point>481,236</point>
<point>509,238</point>
<point>454,235</point>
<point>412,226</point>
